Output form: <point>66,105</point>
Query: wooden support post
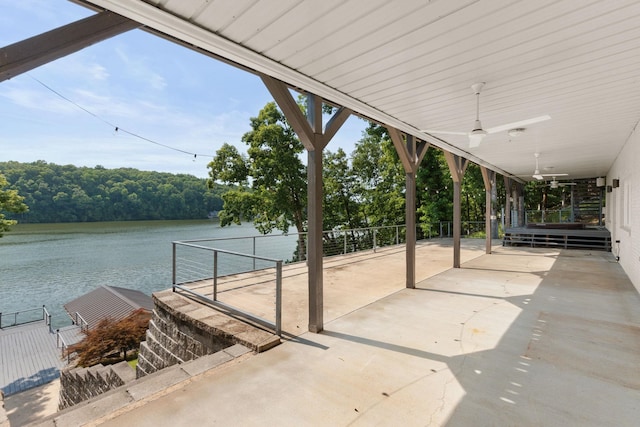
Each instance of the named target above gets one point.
<point>489,178</point>
<point>520,197</point>
<point>33,52</point>
<point>411,153</point>
<point>309,130</point>
<point>507,202</point>
<point>457,167</point>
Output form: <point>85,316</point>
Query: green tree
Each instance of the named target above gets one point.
<point>10,201</point>
<point>57,193</point>
<point>434,192</point>
<point>379,178</point>
<point>270,183</point>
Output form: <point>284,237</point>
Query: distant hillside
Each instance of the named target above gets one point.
<point>56,193</point>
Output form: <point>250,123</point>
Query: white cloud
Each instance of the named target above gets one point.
<point>98,72</point>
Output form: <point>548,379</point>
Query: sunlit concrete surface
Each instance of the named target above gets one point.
<point>522,337</point>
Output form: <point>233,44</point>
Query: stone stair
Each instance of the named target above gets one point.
<point>80,384</point>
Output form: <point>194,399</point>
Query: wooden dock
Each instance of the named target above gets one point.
<point>30,356</point>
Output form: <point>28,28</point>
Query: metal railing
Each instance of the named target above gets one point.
<point>22,317</point>
<point>548,215</point>
<point>63,346</point>
<point>79,320</point>
<point>197,266</point>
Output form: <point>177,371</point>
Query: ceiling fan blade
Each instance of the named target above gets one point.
<point>444,132</point>
<point>521,123</point>
<point>554,174</point>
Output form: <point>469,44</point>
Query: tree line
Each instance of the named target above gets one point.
<point>266,185</point>
<point>365,188</point>
<point>66,193</point>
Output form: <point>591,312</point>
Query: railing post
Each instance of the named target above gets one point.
<point>254,252</point>
<point>345,243</point>
<point>440,224</point>
<point>0,320</point>
<point>448,228</point>
<point>375,232</point>
<point>279,298</point>
<point>397,235</point>
<point>173,273</point>
<point>215,275</point>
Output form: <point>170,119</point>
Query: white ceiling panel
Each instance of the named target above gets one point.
<point>411,64</point>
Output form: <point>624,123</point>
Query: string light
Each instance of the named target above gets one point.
<point>113,126</point>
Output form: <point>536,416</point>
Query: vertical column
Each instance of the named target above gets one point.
<point>314,218</point>
<point>457,167</point>
<point>410,204</point>
<point>411,154</point>
<point>491,229</point>
<point>314,138</point>
<point>521,213</point>
<point>457,187</point>
<point>507,202</point>
<point>314,215</point>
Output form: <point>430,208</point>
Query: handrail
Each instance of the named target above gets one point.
<point>276,325</point>
<point>15,315</point>
<point>84,325</point>
<point>64,346</point>
<point>47,318</point>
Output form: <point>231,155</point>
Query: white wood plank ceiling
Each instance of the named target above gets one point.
<point>410,63</point>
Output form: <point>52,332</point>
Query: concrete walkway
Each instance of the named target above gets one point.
<point>523,337</point>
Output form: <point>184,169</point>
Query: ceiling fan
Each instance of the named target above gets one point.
<point>557,184</point>
<point>477,134</point>
<point>540,176</point>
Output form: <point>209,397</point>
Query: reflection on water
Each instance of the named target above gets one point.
<point>51,264</point>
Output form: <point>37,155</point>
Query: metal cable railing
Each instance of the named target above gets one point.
<point>199,271</point>
<point>30,315</point>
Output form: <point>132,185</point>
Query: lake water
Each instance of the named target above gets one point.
<point>51,264</point>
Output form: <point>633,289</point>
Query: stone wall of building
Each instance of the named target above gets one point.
<point>174,337</point>
<point>79,384</point>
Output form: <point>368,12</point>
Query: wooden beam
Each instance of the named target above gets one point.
<point>291,110</point>
<point>33,52</point>
<point>401,149</point>
<point>335,123</point>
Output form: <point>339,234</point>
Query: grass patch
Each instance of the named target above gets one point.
<point>133,363</point>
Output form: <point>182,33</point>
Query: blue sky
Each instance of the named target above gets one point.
<point>136,81</point>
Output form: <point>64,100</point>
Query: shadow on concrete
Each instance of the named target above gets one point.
<point>388,346</point>
<point>570,355</point>
<point>41,377</point>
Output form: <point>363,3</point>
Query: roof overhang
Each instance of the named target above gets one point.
<point>410,65</point>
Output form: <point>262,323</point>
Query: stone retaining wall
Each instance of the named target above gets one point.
<point>174,338</point>
<point>80,384</point>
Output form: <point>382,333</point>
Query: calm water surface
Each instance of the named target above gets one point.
<point>51,264</point>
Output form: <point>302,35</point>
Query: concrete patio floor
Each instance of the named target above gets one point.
<point>522,337</point>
